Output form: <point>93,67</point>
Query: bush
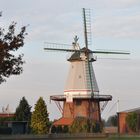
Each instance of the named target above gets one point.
<point>59,129</point>
<point>65,129</point>
<point>53,129</point>
<point>132,120</point>
<point>97,128</point>
<point>80,125</point>
<point>112,120</point>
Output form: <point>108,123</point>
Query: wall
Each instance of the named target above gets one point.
<point>122,126</point>
<point>81,108</point>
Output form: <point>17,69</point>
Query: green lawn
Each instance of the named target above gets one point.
<point>124,138</point>
<point>37,137</point>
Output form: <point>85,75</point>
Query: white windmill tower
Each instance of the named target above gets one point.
<point>81,94</point>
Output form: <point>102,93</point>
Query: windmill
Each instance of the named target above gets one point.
<point>81,96</point>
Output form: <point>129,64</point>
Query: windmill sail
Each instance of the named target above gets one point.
<point>81,78</point>
<point>87,51</point>
<point>81,94</point>
<point>87,27</point>
<point>87,33</point>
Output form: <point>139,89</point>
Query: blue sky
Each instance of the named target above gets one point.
<point>115,26</point>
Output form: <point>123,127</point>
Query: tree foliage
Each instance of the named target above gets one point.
<point>10,42</point>
<point>65,129</point>
<point>39,119</point>
<point>23,111</point>
<point>112,120</point>
<point>85,125</point>
<point>132,120</point>
<point>80,125</point>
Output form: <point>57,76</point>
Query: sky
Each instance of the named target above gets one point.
<point>115,26</point>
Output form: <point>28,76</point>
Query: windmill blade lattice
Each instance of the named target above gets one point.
<point>56,47</point>
<point>111,52</point>
<point>81,93</point>
<point>87,27</point>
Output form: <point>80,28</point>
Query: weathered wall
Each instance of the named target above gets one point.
<point>81,108</point>
<point>122,123</point>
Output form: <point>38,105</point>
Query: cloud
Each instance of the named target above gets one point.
<point>113,18</point>
<point>126,26</point>
<point>59,21</point>
<point>116,4</point>
<point>124,3</point>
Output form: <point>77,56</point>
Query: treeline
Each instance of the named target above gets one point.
<point>79,125</point>
<point>37,121</point>
<point>132,121</point>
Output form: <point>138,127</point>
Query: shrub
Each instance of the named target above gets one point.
<point>59,129</point>
<point>65,129</point>
<point>79,125</point>
<point>132,120</point>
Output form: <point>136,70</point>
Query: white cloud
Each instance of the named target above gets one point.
<point>118,26</point>
<point>116,4</point>
<point>124,3</point>
<point>61,18</point>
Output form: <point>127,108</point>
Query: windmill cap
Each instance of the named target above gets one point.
<point>77,54</point>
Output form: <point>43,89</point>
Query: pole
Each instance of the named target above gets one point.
<point>117,106</point>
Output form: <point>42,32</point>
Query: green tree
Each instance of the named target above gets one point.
<point>23,111</point>
<point>59,129</point>
<point>112,120</point>
<point>80,125</point>
<point>53,129</point>
<point>39,118</point>
<point>65,129</point>
<point>132,121</point>
<point>10,42</point>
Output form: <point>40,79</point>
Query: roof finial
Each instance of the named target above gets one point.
<point>75,44</point>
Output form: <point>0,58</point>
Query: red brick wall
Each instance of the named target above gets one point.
<point>68,110</point>
<point>122,123</point>
<point>81,108</point>
<point>6,115</point>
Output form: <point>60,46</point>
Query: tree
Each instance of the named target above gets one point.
<point>132,121</point>
<point>39,118</point>
<point>112,120</point>
<point>65,129</point>
<point>10,42</point>
<point>23,111</point>
<point>59,129</point>
<point>80,125</point>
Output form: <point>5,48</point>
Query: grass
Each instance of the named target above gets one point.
<point>119,138</point>
<point>45,137</point>
<point>124,138</point>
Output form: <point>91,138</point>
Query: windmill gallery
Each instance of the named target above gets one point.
<point>81,96</point>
